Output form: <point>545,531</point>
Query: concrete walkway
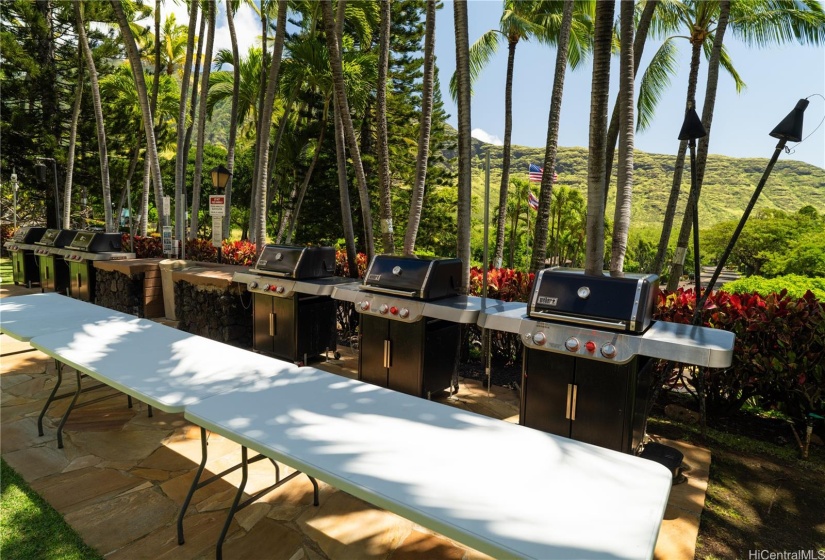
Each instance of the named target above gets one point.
<point>122,477</point>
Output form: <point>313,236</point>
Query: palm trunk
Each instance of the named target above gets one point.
<point>462,57</point>
<point>154,105</point>
<point>266,119</point>
<point>346,119</point>
<point>625,101</point>
<point>233,115</point>
<point>67,189</point>
<point>505,162</point>
<point>343,190</point>
<point>204,92</point>
<point>594,251</point>
<point>546,194</point>
<point>181,156</point>
<point>256,166</point>
<point>143,97</point>
<point>99,122</point>
<point>293,222</point>
<point>384,187</point>
<point>417,196</point>
<point>144,200</point>
<point>678,264</point>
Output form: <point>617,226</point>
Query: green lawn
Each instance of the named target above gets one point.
<point>31,528</point>
<point>5,271</point>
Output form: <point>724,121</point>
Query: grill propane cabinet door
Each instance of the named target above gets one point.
<point>546,391</point>
<point>372,344</point>
<point>46,273</point>
<point>406,352</point>
<point>603,409</point>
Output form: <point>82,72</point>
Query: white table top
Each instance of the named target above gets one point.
<point>25,317</point>
<point>159,365</point>
<point>506,490</point>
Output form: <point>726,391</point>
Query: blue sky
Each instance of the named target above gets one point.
<point>776,78</point>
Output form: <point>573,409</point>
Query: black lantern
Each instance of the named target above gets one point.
<point>220,177</point>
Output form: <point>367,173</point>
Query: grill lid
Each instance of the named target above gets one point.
<point>57,237</point>
<point>28,234</point>
<point>619,303</point>
<point>94,242</point>
<point>289,261</point>
<point>419,277</point>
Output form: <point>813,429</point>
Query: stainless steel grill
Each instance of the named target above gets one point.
<point>85,248</point>
<point>54,270</point>
<point>293,313</point>
<point>410,316</point>
<point>586,370</point>
<point>21,248</point>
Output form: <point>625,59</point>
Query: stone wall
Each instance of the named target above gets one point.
<point>220,313</point>
<point>121,292</point>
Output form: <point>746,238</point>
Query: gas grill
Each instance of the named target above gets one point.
<point>80,254</point>
<point>588,343</point>
<point>54,270</point>
<point>293,313</point>
<point>410,322</point>
<point>21,247</point>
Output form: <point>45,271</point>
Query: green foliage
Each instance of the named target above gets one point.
<point>779,354</point>
<point>31,528</point>
<point>793,284</point>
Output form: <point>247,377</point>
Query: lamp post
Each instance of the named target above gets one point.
<point>790,129</point>
<point>41,172</point>
<point>217,206</point>
<point>14,196</point>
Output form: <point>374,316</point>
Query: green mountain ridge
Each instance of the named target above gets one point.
<point>728,184</point>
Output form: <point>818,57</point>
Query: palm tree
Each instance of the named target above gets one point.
<point>625,101</point>
<point>262,147</point>
<point>67,189</point>
<point>233,115</point>
<point>427,88</point>
<point>602,41</point>
<point>143,97</point>
<point>462,58</point>
<point>204,92</point>
<point>381,118</point>
<point>342,108</point>
<point>98,109</point>
<point>181,156</point>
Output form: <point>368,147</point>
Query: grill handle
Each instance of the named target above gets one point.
<point>271,324</point>
<point>78,281</point>
<point>391,292</point>
<point>569,400</point>
<point>387,354</point>
<point>580,320</point>
<point>575,398</point>
<point>572,397</point>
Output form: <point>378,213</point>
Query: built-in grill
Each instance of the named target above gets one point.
<point>54,270</point>
<point>410,317</point>
<point>21,248</point>
<point>293,313</point>
<point>588,343</point>
<point>85,248</point>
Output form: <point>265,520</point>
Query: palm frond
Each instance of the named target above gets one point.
<point>655,80</point>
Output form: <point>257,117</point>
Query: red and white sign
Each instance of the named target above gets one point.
<point>217,205</point>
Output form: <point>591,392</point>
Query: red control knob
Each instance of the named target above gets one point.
<point>590,346</point>
<point>394,310</point>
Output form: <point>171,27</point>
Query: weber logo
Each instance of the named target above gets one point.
<point>551,301</point>
<point>375,277</point>
<point>262,263</point>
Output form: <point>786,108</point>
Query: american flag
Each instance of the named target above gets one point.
<point>535,174</point>
<point>532,201</point>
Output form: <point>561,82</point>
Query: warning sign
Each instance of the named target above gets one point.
<point>217,205</point>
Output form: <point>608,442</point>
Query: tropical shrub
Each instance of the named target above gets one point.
<point>147,247</point>
<point>242,253</point>
<point>795,285</point>
<point>201,250</point>
<point>779,353</point>
<point>342,266</point>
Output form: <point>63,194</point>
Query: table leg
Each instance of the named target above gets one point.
<point>68,411</point>
<point>193,488</point>
<point>59,368</point>
<point>235,502</point>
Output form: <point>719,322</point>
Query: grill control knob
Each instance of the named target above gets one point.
<point>383,309</point>
<point>265,287</point>
<point>365,305</point>
<point>608,350</point>
<point>571,344</point>
<point>253,284</point>
<point>279,289</point>
<point>394,310</point>
<point>403,312</point>
<point>539,338</point>
<point>590,346</point>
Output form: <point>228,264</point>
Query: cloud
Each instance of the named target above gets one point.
<point>479,134</point>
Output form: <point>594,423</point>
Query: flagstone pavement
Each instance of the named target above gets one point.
<point>122,476</point>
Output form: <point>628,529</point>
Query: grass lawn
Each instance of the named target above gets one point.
<point>5,271</point>
<point>31,528</point>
